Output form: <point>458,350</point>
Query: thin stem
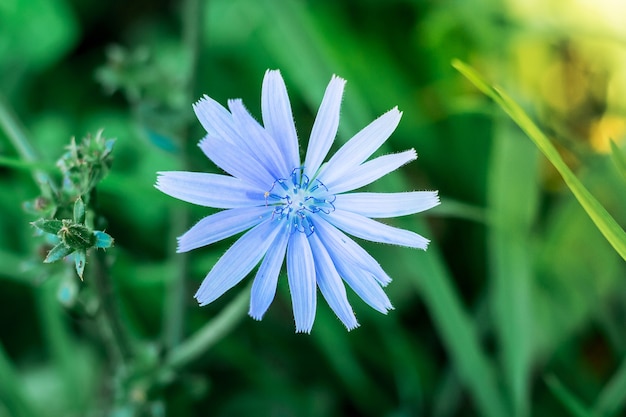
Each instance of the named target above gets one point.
<point>212,332</point>
<point>174,314</point>
<point>113,331</point>
<point>17,136</point>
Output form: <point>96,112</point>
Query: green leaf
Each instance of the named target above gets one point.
<point>79,211</point>
<point>80,261</point>
<point>103,240</point>
<point>77,236</point>
<point>598,214</point>
<point>60,251</point>
<point>51,226</point>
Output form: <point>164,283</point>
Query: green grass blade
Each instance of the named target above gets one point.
<point>573,404</point>
<point>618,159</point>
<point>598,214</point>
<point>513,198</point>
<point>613,397</point>
<point>458,333</point>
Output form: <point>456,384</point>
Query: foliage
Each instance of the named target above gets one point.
<point>516,309</point>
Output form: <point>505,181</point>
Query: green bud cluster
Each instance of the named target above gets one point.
<point>82,167</point>
<point>73,236</point>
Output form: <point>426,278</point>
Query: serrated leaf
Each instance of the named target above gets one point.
<point>51,226</point>
<point>60,251</point>
<point>77,236</point>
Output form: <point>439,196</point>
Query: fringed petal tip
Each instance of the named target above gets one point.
<point>200,302</point>
<point>255,315</point>
<point>160,175</point>
<point>201,101</point>
<point>338,79</point>
<point>180,245</point>
<point>351,326</point>
<point>305,330</point>
<point>397,114</point>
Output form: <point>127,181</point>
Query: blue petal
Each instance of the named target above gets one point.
<point>277,117</point>
<point>361,146</point>
<point>215,119</point>
<point>264,285</point>
<point>364,285</point>
<point>236,161</point>
<point>301,277</point>
<point>221,225</point>
<point>383,205</point>
<point>325,126</point>
<point>369,171</point>
<point>368,229</point>
<point>331,285</point>
<point>210,190</point>
<point>237,262</point>
<point>340,245</point>
<point>258,141</point>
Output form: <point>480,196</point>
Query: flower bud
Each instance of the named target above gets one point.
<point>76,236</point>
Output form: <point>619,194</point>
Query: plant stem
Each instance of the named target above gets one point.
<point>212,332</point>
<point>15,132</point>
<point>174,313</point>
<point>109,321</point>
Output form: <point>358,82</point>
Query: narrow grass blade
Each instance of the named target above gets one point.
<point>571,403</point>
<point>612,398</point>
<point>618,159</point>
<point>598,214</point>
<point>513,195</point>
<point>458,334</point>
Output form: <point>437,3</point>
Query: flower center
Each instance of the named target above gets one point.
<point>297,198</point>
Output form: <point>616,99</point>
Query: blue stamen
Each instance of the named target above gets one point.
<point>296,204</point>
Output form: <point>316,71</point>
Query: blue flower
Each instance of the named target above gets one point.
<point>294,209</point>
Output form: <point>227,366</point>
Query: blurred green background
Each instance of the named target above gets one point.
<point>518,308</point>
